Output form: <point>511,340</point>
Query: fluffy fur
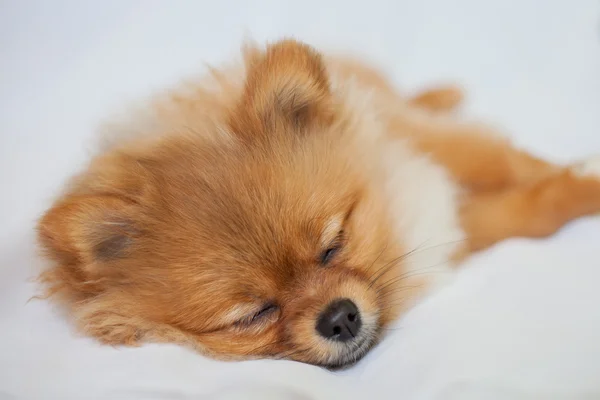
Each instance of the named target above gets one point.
<point>230,213</point>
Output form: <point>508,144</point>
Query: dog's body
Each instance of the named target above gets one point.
<point>291,207</point>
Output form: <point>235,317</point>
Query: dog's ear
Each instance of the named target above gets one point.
<point>88,230</point>
<point>286,87</point>
<point>91,238</point>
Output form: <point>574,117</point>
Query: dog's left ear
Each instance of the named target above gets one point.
<point>286,87</point>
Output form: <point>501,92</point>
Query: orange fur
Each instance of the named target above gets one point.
<point>479,160</point>
<point>535,210</point>
<point>211,231</point>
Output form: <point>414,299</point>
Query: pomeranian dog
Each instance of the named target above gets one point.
<point>289,206</point>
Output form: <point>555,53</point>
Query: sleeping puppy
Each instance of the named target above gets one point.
<point>291,206</point>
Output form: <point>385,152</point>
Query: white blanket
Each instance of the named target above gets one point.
<point>521,321</point>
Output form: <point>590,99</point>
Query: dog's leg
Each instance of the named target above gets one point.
<point>535,210</point>
<point>479,160</point>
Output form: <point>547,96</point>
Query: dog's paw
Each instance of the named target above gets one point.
<point>589,168</point>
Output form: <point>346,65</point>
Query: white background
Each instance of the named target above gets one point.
<point>522,320</point>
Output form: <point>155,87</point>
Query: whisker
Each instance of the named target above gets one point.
<point>394,304</point>
<point>422,271</point>
<point>368,271</point>
<point>397,290</point>
<point>387,267</point>
<point>406,275</point>
<point>391,264</point>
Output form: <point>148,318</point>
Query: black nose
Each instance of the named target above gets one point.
<point>340,321</point>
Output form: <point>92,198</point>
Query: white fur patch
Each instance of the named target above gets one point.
<point>423,198</point>
<point>588,168</point>
<point>424,203</point>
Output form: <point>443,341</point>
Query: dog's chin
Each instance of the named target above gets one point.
<point>352,356</point>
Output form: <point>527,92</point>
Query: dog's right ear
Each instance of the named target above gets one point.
<point>286,88</point>
<point>88,230</point>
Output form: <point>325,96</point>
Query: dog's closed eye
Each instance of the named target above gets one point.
<point>330,253</point>
<point>267,310</point>
<point>332,250</point>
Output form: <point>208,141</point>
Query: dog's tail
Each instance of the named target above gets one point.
<point>438,99</point>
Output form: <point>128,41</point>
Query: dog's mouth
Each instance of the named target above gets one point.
<point>355,352</point>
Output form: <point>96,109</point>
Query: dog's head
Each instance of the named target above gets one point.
<point>273,242</point>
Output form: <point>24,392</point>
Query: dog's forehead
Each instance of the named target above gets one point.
<point>255,204</point>
<point>253,184</point>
